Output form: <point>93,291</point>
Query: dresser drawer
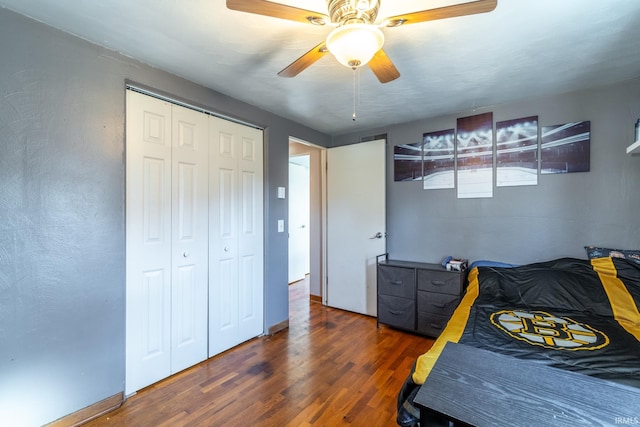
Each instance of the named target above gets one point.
<point>398,312</point>
<point>440,281</point>
<point>396,281</point>
<point>435,303</point>
<point>431,324</point>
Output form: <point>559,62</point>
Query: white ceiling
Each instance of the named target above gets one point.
<point>523,49</point>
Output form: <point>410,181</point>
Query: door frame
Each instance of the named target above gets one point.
<point>320,252</point>
<point>323,208</point>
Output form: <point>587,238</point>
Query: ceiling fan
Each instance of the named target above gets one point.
<point>357,38</point>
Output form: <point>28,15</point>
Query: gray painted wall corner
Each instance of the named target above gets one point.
<point>62,282</point>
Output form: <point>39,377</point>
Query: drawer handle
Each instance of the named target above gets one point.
<point>396,313</point>
<point>436,326</point>
<point>437,282</point>
<point>396,282</point>
<point>439,305</point>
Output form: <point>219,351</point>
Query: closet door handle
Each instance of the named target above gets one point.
<point>226,249</point>
<point>185,254</point>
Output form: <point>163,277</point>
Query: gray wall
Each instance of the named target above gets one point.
<point>62,281</point>
<point>62,261</point>
<point>556,218</point>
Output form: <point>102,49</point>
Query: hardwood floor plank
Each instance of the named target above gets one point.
<point>330,368</point>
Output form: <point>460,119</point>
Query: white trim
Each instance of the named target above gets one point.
<point>166,98</point>
<point>323,266</point>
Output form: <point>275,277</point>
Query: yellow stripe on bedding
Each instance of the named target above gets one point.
<point>624,307</point>
<point>453,331</point>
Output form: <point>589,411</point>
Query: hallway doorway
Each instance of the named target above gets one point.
<point>305,215</point>
<point>299,210</point>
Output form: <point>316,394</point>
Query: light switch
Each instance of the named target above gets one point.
<point>281,192</point>
<point>281,226</point>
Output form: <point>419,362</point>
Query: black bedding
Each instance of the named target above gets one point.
<point>567,313</point>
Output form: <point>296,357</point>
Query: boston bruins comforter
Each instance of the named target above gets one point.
<point>567,313</point>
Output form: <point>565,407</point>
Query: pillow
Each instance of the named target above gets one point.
<point>487,263</point>
<point>629,255</point>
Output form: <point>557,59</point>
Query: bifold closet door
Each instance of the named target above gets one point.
<point>166,239</point>
<point>235,234</point>
<point>190,243</point>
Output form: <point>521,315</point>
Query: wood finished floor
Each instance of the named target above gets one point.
<point>330,368</point>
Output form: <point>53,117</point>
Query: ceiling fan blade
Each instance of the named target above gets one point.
<point>302,63</point>
<point>383,68</point>
<point>471,8</point>
<point>277,10</point>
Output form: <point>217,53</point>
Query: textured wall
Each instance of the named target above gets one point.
<point>62,260</point>
<point>556,218</point>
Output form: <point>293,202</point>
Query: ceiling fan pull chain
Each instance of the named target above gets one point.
<point>353,116</point>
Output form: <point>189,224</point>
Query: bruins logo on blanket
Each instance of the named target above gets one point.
<point>547,330</point>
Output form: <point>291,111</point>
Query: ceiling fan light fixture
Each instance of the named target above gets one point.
<point>354,44</point>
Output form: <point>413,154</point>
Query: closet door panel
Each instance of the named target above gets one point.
<point>236,268</point>
<point>187,201</point>
<point>223,310</point>
<point>226,221</point>
<point>227,291</point>
<point>248,276</point>
<point>249,214</point>
<point>154,189</point>
<point>251,236</point>
<point>148,241</point>
<point>223,270</point>
<point>190,219</point>
<point>153,326</point>
<point>184,326</point>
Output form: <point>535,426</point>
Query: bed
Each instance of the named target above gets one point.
<point>573,314</point>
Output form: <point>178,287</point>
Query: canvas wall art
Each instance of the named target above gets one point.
<point>517,152</point>
<point>439,159</point>
<point>474,154</point>
<point>407,162</point>
<point>565,148</point>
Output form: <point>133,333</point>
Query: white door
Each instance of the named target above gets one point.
<point>166,218</point>
<point>148,241</point>
<point>356,224</point>
<point>235,235</point>
<point>299,206</point>
<point>189,224</point>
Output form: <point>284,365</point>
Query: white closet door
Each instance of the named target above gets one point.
<point>235,235</point>
<point>251,233</point>
<point>148,241</point>
<point>190,216</point>
<point>166,235</point>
